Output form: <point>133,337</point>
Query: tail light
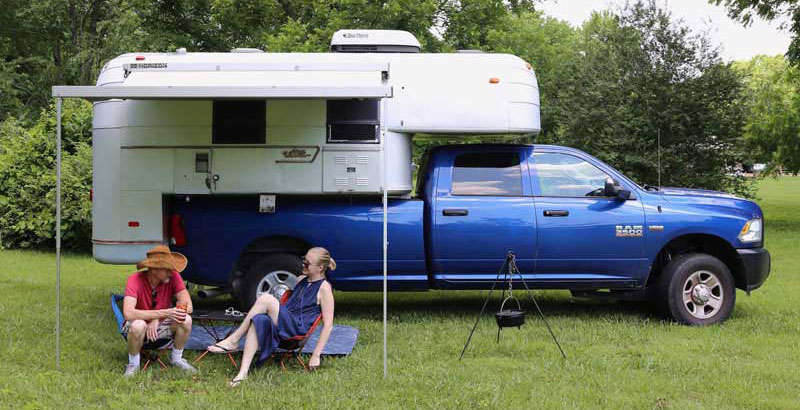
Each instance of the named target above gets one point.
<point>177,235</point>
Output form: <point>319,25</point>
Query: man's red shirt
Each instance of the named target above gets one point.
<point>138,286</point>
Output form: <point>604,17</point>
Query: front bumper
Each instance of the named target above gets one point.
<point>756,264</point>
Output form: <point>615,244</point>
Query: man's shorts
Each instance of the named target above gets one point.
<point>163,331</point>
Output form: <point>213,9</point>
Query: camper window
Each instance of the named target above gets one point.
<point>239,122</point>
<point>353,121</point>
<point>490,173</point>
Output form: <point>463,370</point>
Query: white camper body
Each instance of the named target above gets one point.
<point>157,136</point>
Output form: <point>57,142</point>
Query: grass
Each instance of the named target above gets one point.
<point>620,355</point>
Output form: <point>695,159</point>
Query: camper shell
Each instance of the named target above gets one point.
<point>248,122</point>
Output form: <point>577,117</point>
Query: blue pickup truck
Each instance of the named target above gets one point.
<point>573,222</point>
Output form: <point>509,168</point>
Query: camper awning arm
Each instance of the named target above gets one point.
<point>97,93</point>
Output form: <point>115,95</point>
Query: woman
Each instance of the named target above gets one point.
<point>268,322</point>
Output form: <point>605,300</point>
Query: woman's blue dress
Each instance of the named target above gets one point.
<point>294,318</point>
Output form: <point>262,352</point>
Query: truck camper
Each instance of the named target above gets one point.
<point>244,160</point>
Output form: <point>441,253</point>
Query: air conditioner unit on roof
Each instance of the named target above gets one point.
<point>374,41</point>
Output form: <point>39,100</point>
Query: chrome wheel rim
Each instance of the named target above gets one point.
<point>276,283</point>
<point>702,294</point>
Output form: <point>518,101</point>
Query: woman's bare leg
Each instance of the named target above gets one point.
<point>250,347</point>
<point>264,304</point>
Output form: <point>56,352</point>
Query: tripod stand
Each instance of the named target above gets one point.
<point>508,268</point>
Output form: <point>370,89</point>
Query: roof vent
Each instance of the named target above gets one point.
<point>374,41</point>
<point>246,50</point>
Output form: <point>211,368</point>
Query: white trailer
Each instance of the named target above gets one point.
<point>249,122</point>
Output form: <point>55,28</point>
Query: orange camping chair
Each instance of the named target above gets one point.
<point>293,346</point>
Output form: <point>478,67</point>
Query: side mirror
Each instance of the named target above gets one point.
<point>613,189</point>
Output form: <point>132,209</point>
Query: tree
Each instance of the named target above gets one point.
<point>745,10</point>
<point>772,100</point>
<point>624,78</point>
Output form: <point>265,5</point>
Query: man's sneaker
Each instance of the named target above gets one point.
<point>184,365</point>
<point>130,370</point>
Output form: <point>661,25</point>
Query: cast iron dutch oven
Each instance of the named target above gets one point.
<point>510,317</point>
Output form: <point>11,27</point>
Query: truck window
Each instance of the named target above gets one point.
<point>239,122</point>
<point>489,173</point>
<point>568,176</point>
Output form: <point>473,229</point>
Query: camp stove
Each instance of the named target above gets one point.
<point>510,317</point>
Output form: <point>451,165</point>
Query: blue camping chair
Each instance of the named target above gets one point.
<point>150,350</point>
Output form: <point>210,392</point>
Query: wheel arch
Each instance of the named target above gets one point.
<point>260,247</point>
<point>699,243</point>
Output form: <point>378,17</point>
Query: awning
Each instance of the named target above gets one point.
<point>97,93</point>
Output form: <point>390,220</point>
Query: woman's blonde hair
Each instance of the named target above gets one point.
<point>325,258</point>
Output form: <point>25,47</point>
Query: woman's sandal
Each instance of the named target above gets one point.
<point>221,349</point>
<point>235,382</point>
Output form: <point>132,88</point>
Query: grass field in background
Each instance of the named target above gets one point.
<point>620,354</point>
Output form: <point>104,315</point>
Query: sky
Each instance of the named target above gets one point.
<point>738,42</point>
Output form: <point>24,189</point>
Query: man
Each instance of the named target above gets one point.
<point>148,310</point>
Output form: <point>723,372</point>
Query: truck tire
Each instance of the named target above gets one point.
<point>696,289</point>
<point>273,274</point>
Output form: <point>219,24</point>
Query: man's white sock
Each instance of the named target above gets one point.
<point>176,354</point>
<point>133,359</point>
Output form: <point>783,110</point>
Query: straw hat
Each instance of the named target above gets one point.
<point>176,261</point>
<point>155,263</point>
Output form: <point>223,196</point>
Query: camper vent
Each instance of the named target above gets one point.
<point>362,160</point>
<point>341,182</point>
<point>362,181</point>
<point>374,41</point>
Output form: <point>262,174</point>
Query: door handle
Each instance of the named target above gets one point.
<point>455,212</point>
<point>556,213</point>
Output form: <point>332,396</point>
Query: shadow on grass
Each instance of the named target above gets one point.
<point>465,305</point>
<point>448,304</point>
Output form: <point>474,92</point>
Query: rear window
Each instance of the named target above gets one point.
<point>489,173</point>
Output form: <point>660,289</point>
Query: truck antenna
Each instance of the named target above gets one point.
<point>658,133</point>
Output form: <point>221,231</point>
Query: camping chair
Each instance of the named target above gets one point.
<point>150,350</point>
<point>293,346</point>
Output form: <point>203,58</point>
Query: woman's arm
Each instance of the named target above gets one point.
<point>326,302</point>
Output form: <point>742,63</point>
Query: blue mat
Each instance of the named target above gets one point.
<point>343,339</point>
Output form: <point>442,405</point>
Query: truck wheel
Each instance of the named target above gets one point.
<point>274,274</point>
<point>696,289</point>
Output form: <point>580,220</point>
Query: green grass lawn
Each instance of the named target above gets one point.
<point>620,355</point>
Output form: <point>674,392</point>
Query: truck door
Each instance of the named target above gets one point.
<point>483,209</point>
<point>582,235</point>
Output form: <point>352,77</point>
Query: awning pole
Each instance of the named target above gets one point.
<point>385,249</point>
<point>384,159</point>
<point>58,233</point>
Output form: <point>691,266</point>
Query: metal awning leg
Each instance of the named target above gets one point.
<point>58,233</point>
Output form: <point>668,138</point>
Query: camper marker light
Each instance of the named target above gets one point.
<point>494,80</point>
<point>139,58</point>
<point>133,224</point>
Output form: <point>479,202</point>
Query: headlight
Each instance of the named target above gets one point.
<point>752,231</point>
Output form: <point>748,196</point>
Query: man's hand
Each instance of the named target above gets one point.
<point>152,330</point>
<point>177,315</point>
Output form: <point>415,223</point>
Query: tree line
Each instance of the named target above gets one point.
<point>630,86</point>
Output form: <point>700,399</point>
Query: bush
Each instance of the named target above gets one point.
<point>28,188</point>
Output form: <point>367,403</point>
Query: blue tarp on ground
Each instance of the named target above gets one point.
<point>343,339</point>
